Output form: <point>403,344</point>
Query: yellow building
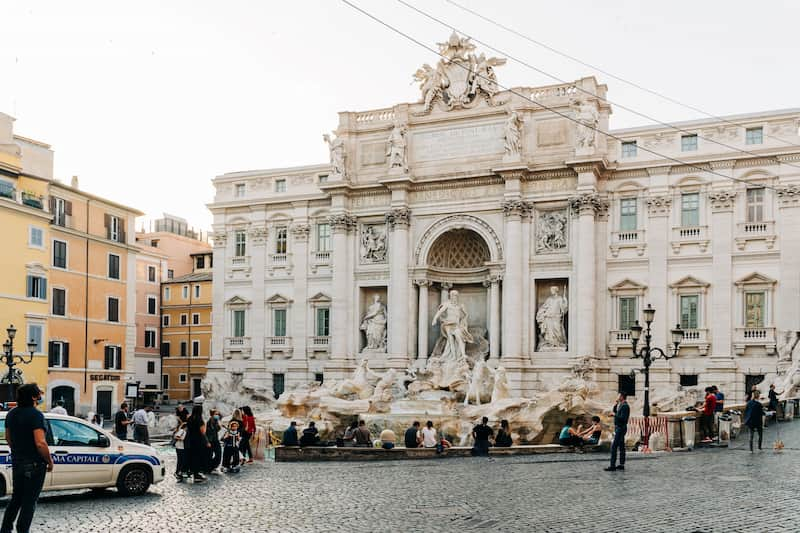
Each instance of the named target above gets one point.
<point>186,330</point>
<point>26,167</point>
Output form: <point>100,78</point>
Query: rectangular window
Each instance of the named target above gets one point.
<point>184,319</point>
<point>149,338</point>
<point>59,254</point>
<point>240,190</point>
<point>755,204</point>
<point>113,358</point>
<point>165,349</point>
<point>200,261</point>
<point>114,229</point>
<point>240,240</point>
<point>195,348</point>
<point>184,348</point>
<point>279,322</point>
<point>280,185</point>
<point>36,287</point>
<point>58,354</point>
<point>754,309</point>
<point>113,309</point>
<point>167,293</point>
<point>323,321</point>
<point>151,367</point>
<point>59,302</point>
<point>113,266</point>
<point>151,305</point>
<point>59,207</point>
<point>629,149</point>
<point>323,178</point>
<point>238,323</point>
<point>688,143</point>
<point>195,318</point>
<point>627,312</point>
<point>319,377</point>
<point>185,292</point>
<point>151,274</point>
<point>165,381</point>
<point>323,237</point>
<point>36,237</point>
<point>754,135</point>
<point>197,291</point>
<point>280,241</point>
<point>688,380</point>
<point>165,320</point>
<point>627,214</point>
<point>170,273</point>
<point>278,384</point>
<point>35,334</point>
<point>690,209</point>
<point>182,378</point>
<point>689,307</point>
<point>627,383</point>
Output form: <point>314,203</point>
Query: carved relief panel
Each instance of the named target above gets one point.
<point>374,243</point>
<point>551,231</point>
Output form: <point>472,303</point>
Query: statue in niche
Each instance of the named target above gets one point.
<point>586,134</point>
<point>373,245</point>
<point>374,325</point>
<point>336,148</point>
<point>551,231</point>
<point>454,327</point>
<point>550,317</point>
<point>396,151</point>
<point>513,134</point>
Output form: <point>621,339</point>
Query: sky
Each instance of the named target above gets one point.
<point>147,101</point>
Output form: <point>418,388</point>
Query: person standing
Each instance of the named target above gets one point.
<point>59,408</point>
<point>429,439</point>
<point>213,428</point>
<point>141,431</point>
<point>248,430</point>
<point>197,443</point>
<point>179,438</point>
<point>230,441</point>
<point>412,438</point>
<point>121,422</point>
<point>754,418</point>
<point>622,413</point>
<point>30,458</point>
<point>709,407</point>
<point>773,401</point>
<point>481,433</point>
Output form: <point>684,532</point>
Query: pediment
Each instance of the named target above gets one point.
<point>689,281</point>
<point>237,300</point>
<point>278,299</point>
<point>627,284</point>
<point>320,298</point>
<point>755,278</point>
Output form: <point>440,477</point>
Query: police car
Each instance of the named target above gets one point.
<point>86,456</point>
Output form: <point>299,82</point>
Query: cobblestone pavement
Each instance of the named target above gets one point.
<point>705,490</point>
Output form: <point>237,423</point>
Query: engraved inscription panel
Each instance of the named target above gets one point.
<point>486,139</point>
<point>373,153</point>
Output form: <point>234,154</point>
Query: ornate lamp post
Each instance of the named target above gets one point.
<point>11,360</point>
<point>648,354</point>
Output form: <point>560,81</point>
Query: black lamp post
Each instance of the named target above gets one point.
<point>648,354</point>
<point>11,360</point>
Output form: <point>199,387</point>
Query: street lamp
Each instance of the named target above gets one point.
<point>648,354</point>
<point>11,360</point>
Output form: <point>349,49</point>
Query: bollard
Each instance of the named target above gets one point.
<point>688,431</point>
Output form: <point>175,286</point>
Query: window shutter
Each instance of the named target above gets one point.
<point>52,204</point>
<point>50,354</point>
<point>107,222</point>
<point>120,233</point>
<point>68,208</point>
<point>43,288</point>
<point>29,289</point>
<point>108,363</point>
<point>65,355</point>
<point>118,353</point>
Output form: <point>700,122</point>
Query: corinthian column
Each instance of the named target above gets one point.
<point>585,206</point>
<point>512,281</point>
<point>398,220</point>
<point>341,225</point>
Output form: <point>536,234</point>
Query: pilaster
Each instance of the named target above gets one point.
<point>398,220</point>
<point>722,202</point>
<point>341,224</point>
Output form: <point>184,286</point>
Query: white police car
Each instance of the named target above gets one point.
<point>86,456</point>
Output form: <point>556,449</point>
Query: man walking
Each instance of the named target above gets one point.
<point>121,422</point>
<point>141,430</point>
<point>622,412</point>
<point>30,458</point>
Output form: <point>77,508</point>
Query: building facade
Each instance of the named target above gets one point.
<point>186,320</point>
<point>151,270</point>
<point>554,236</point>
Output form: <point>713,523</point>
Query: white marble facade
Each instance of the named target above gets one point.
<point>481,190</point>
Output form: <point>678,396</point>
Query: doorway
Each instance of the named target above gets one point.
<point>104,403</point>
<point>66,394</point>
<point>196,388</point>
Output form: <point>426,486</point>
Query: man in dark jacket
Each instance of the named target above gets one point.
<point>754,418</point>
<point>290,435</point>
<point>622,412</point>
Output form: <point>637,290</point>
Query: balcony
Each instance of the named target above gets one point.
<point>238,268</point>
<point>617,339</point>
<point>689,235</point>
<point>278,260</point>
<point>7,190</point>
<point>754,337</point>
<point>695,338</point>
<point>237,345</point>
<point>755,231</point>
<point>32,200</point>
<point>279,345</point>
<point>627,239</point>
<point>319,343</point>
<point>322,258</point>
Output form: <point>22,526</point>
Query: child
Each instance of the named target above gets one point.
<point>230,442</point>
<point>179,437</point>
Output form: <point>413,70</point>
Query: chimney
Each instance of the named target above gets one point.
<point>74,182</point>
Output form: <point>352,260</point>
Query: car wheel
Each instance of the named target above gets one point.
<point>134,480</point>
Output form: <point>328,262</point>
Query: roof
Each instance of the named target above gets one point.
<point>194,276</point>
<point>91,196</point>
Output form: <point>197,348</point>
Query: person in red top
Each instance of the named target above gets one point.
<point>709,406</point>
<point>248,430</point>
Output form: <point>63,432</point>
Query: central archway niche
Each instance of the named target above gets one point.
<point>461,257</point>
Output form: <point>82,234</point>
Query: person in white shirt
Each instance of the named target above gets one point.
<point>429,435</point>
<point>141,431</point>
<point>59,408</point>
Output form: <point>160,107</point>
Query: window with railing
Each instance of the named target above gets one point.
<point>755,204</point>
<point>238,323</point>
<point>279,322</point>
<point>627,214</point>
<point>32,200</point>
<point>689,311</point>
<point>323,237</point>
<point>627,312</point>
<point>690,209</point>
<point>323,321</point>
<point>754,309</point>
<point>280,240</point>
<point>240,243</point>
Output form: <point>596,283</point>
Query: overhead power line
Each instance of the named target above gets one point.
<point>550,109</point>
<point>605,72</point>
<point>581,89</point>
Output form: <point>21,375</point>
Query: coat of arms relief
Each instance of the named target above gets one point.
<point>460,77</point>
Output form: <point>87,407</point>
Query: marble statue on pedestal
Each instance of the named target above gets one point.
<point>512,135</point>
<point>454,327</point>
<point>374,325</point>
<point>586,134</point>
<point>337,155</point>
<point>396,151</point>
<point>550,317</point>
